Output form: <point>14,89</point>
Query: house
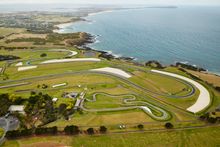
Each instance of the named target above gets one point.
<point>16,108</point>
<point>77,104</point>
<point>55,99</point>
<point>73,95</point>
<point>70,95</point>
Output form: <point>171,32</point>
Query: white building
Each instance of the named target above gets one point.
<point>55,99</point>
<point>16,108</point>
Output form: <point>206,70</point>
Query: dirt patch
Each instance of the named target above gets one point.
<point>45,144</point>
<point>208,77</point>
<point>15,36</point>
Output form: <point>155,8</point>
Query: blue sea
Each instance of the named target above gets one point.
<point>185,34</point>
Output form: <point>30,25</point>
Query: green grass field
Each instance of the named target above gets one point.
<point>8,31</point>
<point>52,69</point>
<point>111,119</point>
<point>160,83</point>
<point>99,83</point>
<point>104,101</point>
<point>29,54</point>
<point>1,132</point>
<point>191,138</point>
<point>154,91</point>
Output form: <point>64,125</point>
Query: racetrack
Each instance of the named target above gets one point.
<point>72,53</point>
<point>203,100</point>
<point>71,60</point>
<point>114,71</point>
<point>145,106</point>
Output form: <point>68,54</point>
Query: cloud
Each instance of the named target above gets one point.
<point>116,1</point>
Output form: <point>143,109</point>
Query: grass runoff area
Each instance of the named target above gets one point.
<point>192,138</point>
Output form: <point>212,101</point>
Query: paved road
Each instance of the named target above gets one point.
<point>163,75</point>
<point>145,106</point>
<point>143,89</point>
<point>4,123</point>
<point>203,100</point>
<point>107,74</point>
<point>8,124</point>
<point>14,85</point>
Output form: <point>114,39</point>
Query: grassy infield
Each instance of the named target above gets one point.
<point>100,83</point>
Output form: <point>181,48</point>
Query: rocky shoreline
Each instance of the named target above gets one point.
<point>151,63</point>
<point>90,39</point>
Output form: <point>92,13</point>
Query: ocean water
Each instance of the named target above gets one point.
<point>186,34</point>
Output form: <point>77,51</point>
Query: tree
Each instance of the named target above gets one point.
<point>19,101</point>
<point>5,103</point>
<point>90,131</point>
<point>102,129</point>
<point>44,86</point>
<point>40,131</point>
<point>43,55</point>
<point>140,126</point>
<point>33,99</point>
<point>33,93</point>
<point>71,130</point>
<point>204,116</point>
<point>53,130</point>
<point>26,132</point>
<point>50,130</point>
<point>19,133</point>
<point>13,134</point>
<point>217,88</point>
<point>212,120</point>
<point>168,125</point>
<point>62,108</point>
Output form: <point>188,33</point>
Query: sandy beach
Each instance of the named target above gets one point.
<point>101,12</point>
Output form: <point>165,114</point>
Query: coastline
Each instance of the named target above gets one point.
<point>59,27</point>
<point>100,12</point>
<point>109,54</point>
<point>94,38</point>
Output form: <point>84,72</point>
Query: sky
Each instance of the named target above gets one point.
<point>166,2</point>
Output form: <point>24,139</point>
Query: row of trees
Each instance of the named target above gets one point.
<point>190,67</point>
<point>29,132</point>
<point>167,125</point>
<point>209,117</point>
<point>8,57</point>
<point>13,48</point>
<point>154,64</point>
<point>74,130</point>
<point>68,130</point>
